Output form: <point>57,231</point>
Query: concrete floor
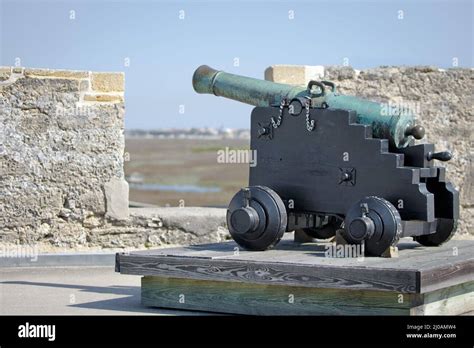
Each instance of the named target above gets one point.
<point>72,291</point>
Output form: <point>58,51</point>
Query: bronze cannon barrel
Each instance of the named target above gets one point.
<point>394,124</point>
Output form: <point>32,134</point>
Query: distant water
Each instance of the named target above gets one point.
<point>174,188</point>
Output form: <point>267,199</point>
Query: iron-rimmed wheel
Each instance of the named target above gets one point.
<point>445,230</point>
<point>256,218</point>
<point>375,222</point>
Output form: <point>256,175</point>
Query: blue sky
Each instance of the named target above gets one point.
<point>164,50</point>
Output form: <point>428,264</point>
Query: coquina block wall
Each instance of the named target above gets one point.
<point>443,100</point>
<point>61,154</point>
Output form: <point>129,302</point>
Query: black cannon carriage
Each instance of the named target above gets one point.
<point>327,162</point>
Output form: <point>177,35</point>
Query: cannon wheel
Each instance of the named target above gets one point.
<point>326,231</point>
<point>256,218</point>
<point>379,229</point>
<point>444,232</point>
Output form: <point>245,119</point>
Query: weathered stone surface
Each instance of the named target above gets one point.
<point>108,82</point>
<point>145,228</point>
<point>443,99</point>
<point>116,198</point>
<point>18,70</point>
<point>173,226</point>
<point>294,74</point>
<point>154,227</point>
<point>67,74</point>
<point>56,154</point>
<point>103,97</point>
<point>5,72</point>
<point>193,220</point>
<point>468,188</point>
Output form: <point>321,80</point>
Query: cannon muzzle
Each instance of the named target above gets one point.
<point>203,79</point>
<point>207,80</point>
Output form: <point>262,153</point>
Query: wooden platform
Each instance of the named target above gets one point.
<point>299,278</point>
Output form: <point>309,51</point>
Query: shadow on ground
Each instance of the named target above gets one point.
<point>130,301</point>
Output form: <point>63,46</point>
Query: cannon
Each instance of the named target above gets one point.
<point>330,163</point>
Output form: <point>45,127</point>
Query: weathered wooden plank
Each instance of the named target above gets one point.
<point>404,281</point>
<point>253,299</point>
<point>447,274</point>
<point>417,270</point>
<point>414,254</point>
<point>454,300</point>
